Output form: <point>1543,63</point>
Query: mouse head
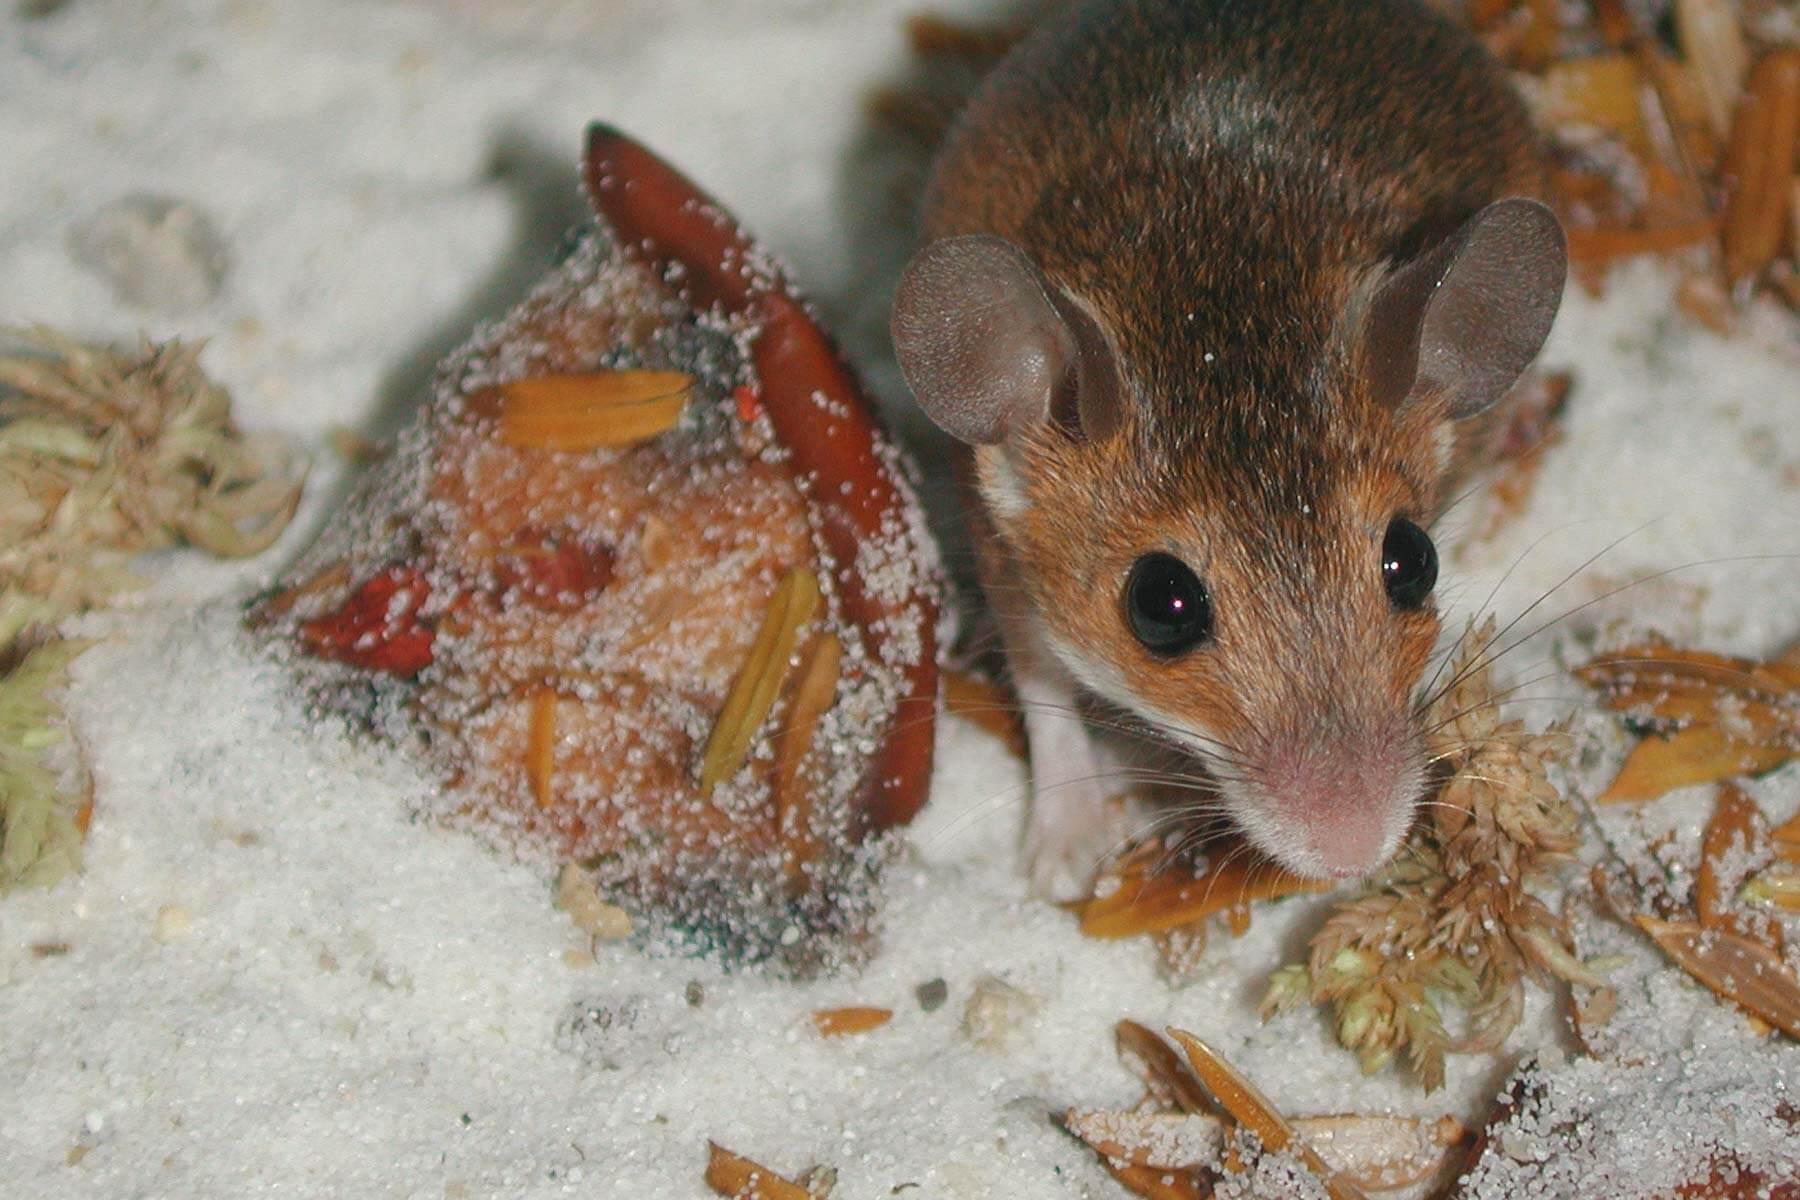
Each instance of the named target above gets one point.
<point>1244,565</point>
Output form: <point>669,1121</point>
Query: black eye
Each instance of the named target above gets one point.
<point>1408,563</point>
<point>1166,605</point>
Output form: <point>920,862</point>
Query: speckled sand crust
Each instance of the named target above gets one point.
<point>349,1001</point>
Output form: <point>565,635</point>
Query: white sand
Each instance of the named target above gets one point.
<point>363,1005</point>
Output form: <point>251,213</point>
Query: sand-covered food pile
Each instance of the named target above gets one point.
<point>276,973</point>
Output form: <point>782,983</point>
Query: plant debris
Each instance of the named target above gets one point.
<point>1677,143</point>
<point>104,456</point>
<point>842,1022</point>
<point>735,1176</point>
<point>1453,917</point>
<point>41,823</point>
<point>1201,1119</point>
<point>1151,890</point>
<point>1706,717</point>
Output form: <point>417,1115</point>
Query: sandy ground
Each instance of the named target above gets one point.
<point>278,983</point>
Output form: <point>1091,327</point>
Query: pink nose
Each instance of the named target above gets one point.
<point>1340,807</point>
<point>1347,849</point>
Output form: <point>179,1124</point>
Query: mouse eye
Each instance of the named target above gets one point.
<point>1408,564</point>
<point>1166,605</point>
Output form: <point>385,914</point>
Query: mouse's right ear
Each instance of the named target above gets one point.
<point>1463,320</point>
<point>979,339</point>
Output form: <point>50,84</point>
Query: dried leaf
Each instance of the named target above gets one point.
<point>1702,754</point>
<point>1607,244</point>
<point>739,1178</point>
<point>1736,841</point>
<point>1711,37</point>
<point>841,1022</point>
<point>1377,1153</point>
<point>759,681</point>
<point>1153,1183</point>
<point>587,412</point>
<point>1251,1109</point>
<point>813,693</point>
<point>1170,1080</point>
<point>540,747</point>
<point>1730,716</point>
<point>1136,901</point>
<point>1760,166</point>
<point>1743,971</point>
<point>987,705</point>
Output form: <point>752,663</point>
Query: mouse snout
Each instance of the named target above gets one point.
<point>1335,807</point>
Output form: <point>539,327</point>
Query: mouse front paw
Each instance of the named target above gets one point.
<point>1072,826</point>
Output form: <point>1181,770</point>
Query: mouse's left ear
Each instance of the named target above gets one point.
<point>992,349</point>
<point>1464,320</point>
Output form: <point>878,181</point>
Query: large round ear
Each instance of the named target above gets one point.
<point>979,339</point>
<point>1465,319</point>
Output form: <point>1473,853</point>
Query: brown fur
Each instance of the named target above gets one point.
<point>1219,182</point>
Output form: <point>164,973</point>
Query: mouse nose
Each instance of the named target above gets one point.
<point>1343,805</point>
<point>1348,849</point>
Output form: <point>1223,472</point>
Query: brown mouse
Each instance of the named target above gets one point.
<point>1222,293</point>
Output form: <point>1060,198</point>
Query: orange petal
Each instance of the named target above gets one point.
<point>733,1175</point>
<point>840,1022</point>
<point>1743,971</point>
<point>1251,1109</point>
<point>1702,754</point>
<point>1142,903</point>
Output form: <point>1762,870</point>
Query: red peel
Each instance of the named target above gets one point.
<point>818,412</point>
<point>379,626</point>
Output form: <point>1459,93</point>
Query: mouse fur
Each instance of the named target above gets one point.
<point>1241,281</point>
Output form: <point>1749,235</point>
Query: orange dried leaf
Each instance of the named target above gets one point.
<point>1379,1153</point>
<point>1153,1183</point>
<point>1251,1109</point>
<point>759,680</point>
<point>586,412</point>
<point>987,705</point>
<point>814,691</point>
<point>1168,1141</point>
<point>540,746</point>
<point>1139,902</point>
<point>1787,839</point>
<point>1602,92</point>
<point>1736,832</point>
<point>841,1022</point>
<point>1170,1080</point>
<point>1739,969</point>
<point>1759,167</point>
<point>1702,754</point>
<point>1606,243</point>
<point>737,1177</point>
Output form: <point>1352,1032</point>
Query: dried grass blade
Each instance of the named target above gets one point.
<point>739,1178</point>
<point>1702,754</point>
<point>1711,36</point>
<point>814,692</point>
<point>1603,245</point>
<point>1157,903</point>
<point>1164,1072</point>
<point>540,747</point>
<point>1759,168</point>
<point>1737,832</point>
<point>987,705</point>
<point>1239,1097</point>
<point>1742,971</point>
<point>1155,1183</point>
<point>586,412</point>
<point>1165,1141</point>
<point>841,1022</point>
<point>759,681</point>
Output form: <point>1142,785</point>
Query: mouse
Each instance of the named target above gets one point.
<point>1224,298</point>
